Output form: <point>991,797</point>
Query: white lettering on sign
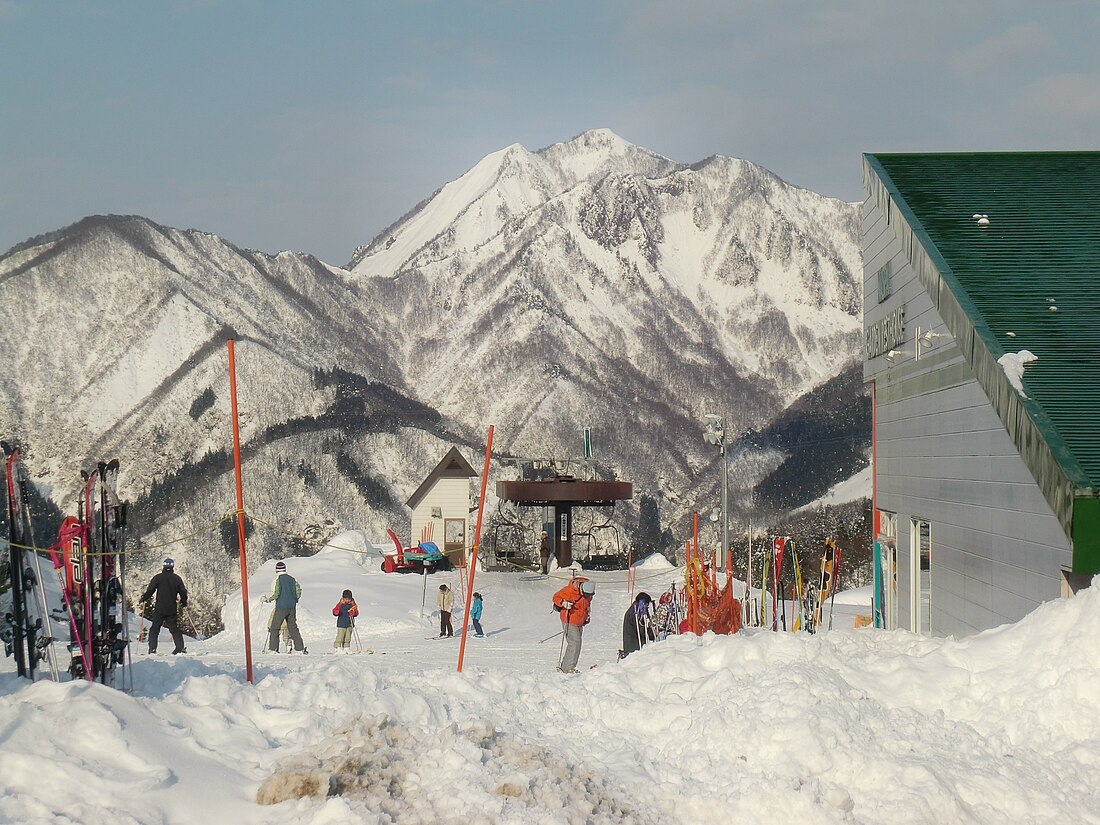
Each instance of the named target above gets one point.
<point>882,336</point>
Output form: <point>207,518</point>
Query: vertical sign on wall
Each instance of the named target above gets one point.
<point>883,278</point>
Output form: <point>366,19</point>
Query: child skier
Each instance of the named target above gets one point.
<point>345,612</point>
<point>475,616</point>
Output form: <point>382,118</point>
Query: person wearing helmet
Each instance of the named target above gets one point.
<point>446,601</point>
<point>573,603</point>
<point>168,586</point>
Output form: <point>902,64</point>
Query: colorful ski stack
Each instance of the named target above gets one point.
<point>94,559</point>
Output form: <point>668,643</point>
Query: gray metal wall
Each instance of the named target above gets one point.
<point>997,549</point>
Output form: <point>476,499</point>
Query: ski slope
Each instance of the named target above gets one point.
<point>849,726</point>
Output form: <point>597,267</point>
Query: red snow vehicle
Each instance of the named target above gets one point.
<point>411,559</point>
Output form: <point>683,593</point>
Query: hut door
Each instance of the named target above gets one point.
<point>454,541</point>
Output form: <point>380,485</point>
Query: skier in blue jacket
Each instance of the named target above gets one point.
<point>475,616</point>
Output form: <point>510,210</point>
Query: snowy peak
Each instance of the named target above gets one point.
<point>597,233</point>
<point>599,151</point>
<point>498,193</point>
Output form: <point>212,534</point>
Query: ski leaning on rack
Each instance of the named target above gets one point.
<point>26,627</point>
<point>97,587</point>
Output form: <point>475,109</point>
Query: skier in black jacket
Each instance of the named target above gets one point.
<point>638,624</point>
<point>167,585</point>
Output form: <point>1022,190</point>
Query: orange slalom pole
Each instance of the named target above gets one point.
<point>477,542</point>
<point>240,511</point>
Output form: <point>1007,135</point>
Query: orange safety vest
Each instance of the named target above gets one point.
<point>578,614</point>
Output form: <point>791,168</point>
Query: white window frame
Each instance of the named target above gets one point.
<point>915,589</point>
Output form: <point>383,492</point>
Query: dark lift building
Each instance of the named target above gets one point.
<point>562,494</point>
<point>985,476</point>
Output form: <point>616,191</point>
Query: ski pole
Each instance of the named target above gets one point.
<point>191,622</point>
<point>548,638</point>
<point>836,584</point>
<point>358,642</point>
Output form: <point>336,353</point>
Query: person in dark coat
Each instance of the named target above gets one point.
<point>544,553</point>
<point>638,624</point>
<point>168,586</point>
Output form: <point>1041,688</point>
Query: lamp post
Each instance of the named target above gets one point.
<point>716,434</point>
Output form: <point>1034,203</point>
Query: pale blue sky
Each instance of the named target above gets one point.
<point>312,126</point>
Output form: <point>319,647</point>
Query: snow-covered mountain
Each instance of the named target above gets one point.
<point>718,278</point>
<point>589,284</point>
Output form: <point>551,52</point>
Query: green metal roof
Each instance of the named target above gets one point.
<point>1033,271</point>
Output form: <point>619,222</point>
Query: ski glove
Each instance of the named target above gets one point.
<point>567,605</point>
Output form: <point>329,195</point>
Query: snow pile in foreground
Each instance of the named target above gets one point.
<point>849,726</point>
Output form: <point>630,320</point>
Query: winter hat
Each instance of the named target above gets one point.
<point>587,587</point>
<point>280,567</point>
<point>644,598</point>
<point>169,564</point>
<point>477,595</point>
<point>347,595</point>
<point>442,587</point>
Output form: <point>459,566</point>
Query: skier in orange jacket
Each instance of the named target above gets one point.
<point>573,603</point>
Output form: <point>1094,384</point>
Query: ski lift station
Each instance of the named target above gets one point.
<point>982,350</point>
<point>562,495</point>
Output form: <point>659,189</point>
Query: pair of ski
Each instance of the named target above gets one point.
<point>25,629</point>
<point>782,548</point>
<point>92,583</point>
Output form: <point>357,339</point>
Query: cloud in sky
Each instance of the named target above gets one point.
<point>284,125</point>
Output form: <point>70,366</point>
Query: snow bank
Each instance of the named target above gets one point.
<point>653,562</point>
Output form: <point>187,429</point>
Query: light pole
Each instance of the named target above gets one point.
<point>716,434</point>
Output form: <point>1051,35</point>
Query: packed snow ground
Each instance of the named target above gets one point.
<point>849,726</point>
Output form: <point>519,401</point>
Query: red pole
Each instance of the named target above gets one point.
<point>699,573</point>
<point>240,511</point>
<point>477,541</point>
<point>688,589</point>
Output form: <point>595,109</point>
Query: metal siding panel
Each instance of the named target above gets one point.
<point>978,616</point>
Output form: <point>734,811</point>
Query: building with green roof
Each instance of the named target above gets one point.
<point>982,342</point>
